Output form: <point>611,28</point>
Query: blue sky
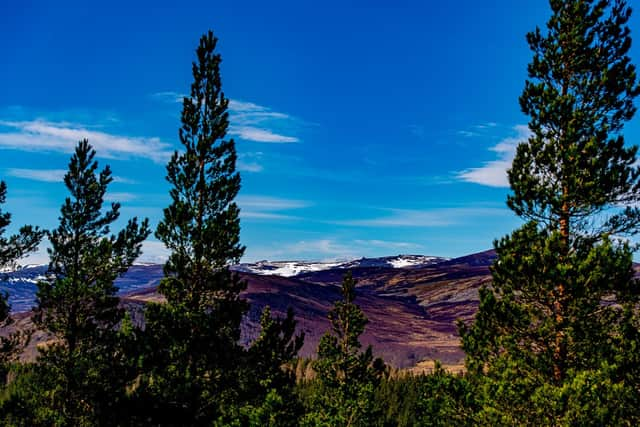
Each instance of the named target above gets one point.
<point>363,128</point>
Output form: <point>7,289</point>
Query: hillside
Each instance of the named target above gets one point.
<point>412,310</point>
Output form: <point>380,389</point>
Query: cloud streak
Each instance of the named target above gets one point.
<point>248,121</point>
<point>251,133</point>
<point>41,135</point>
<point>423,218</point>
<point>257,123</point>
<point>50,175</point>
<point>169,97</point>
<point>42,175</point>
<point>494,172</point>
<point>269,208</point>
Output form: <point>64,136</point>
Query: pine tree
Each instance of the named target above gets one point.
<point>348,376</point>
<point>269,384</point>
<point>11,249</point>
<point>82,376</point>
<point>191,364</point>
<point>545,321</point>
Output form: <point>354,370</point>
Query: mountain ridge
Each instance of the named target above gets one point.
<point>412,312</point>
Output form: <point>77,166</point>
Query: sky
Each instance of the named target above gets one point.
<point>366,128</point>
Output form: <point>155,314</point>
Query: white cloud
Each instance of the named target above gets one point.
<point>250,162</point>
<point>42,175</point>
<point>251,133</point>
<point>247,214</point>
<point>423,218</point>
<point>265,203</point>
<point>40,135</point>
<point>386,244</point>
<point>328,249</point>
<point>248,166</point>
<point>120,197</point>
<point>486,125</point>
<point>258,123</point>
<point>121,180</point>
<point>153,251</point>
<point>494,173</point>
<point>248,121</point>
<point>268,208</point>
<point>51,175</point>
<point>169,96</point>
<point>466,133</point>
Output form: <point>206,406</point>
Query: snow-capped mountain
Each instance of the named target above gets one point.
<point>20,283</point>
<point>294,268</point>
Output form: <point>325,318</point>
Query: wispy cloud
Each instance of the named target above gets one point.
<point>248,120</point>
<point>386,244</point>
<point>41,135</point>
<point>169,96</point>
<point>51,175</point>
<point>258,123</point>
<point>248,166</point>
<point>246,214</point>
<point>255,134</point>
<point>42,175</point>
<point>269,208</point>
<point>120,197</point>
<point>487,125</point>
<point>250,162</point>
<point>494,173</point>
<point>467,133</point>
<point>328,249</point>
<point>423,218</point>
<point>266,203</point>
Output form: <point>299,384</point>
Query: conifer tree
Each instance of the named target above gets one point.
<point>12,248</point>
<point>544,323</point>
<point>83,378</point>
<point>269,392</point>
<point>195,371</point>
<point>191,368</point>
<point>347,375</point>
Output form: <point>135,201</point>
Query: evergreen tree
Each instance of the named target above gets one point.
<point>347,375</point>
<point>545,322</point>
<point>191,364</point>
<point>82,371</point>
<point>11,249</point>
<point>269,386</point>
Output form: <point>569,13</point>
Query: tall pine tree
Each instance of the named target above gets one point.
<point>548,321</point>
<point>82,372</point>
<point>191,374</point>
<point>194,369</point>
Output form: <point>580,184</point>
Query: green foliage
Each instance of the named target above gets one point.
<point>81,374</point>
<point>195,370</point>
<point>581,91</point>
<point>438,398</point>
<point>347,377</point>
<point>18,245</point>
<point>552,341</point>
<point>12,248</point>
<point>269,383</point>
<point>445,399</point>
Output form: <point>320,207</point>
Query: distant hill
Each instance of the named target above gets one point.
<point>412,301</point>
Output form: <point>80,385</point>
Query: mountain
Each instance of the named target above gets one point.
<point>412,310</point>
<point>295,268</point>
